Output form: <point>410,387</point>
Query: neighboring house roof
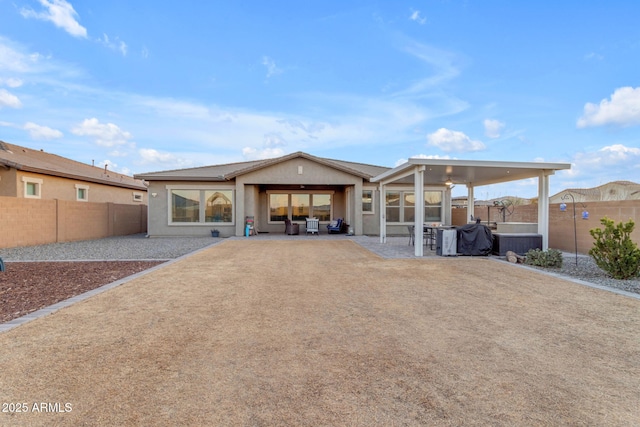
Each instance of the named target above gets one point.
<point>229,171</point>
<point>615,190</point>
<point>37,161</point>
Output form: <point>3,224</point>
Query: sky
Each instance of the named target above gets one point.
<point>148,86</point>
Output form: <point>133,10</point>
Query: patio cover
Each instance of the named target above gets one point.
<point>472,173</point>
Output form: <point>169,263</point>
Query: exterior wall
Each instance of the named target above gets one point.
<point>28,222</point>
<point>8,184</point>
<point>65,189</point>
<point>561,231</point>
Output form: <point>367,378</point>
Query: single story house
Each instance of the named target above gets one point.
<point>36,174</point>
<point>372,200</point>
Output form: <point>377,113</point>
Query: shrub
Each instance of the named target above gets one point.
<point>539,258</point>
<point>614,251</point>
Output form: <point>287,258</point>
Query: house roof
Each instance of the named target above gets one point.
<point>229,171</point>
<point>37,161</point>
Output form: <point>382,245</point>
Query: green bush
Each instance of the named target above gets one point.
<point>539,258</point>
<point>614,251</point>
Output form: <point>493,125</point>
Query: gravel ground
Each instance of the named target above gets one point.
<point>133,247</point>
<point>587,270</point>
<point>139,247</point>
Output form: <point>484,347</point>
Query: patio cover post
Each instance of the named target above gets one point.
<point>471,203</point>
<point>419,209</point>
<point>543,207</point>
<point>383,220</point>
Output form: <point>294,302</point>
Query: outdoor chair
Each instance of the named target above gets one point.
<point>290,227</point>
<point>335,226</point>
<point>313,225</point>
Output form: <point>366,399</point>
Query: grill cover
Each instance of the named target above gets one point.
<point>474,239</point>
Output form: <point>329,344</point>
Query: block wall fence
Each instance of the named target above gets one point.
<point>26,222</point>
<point>561,230</point>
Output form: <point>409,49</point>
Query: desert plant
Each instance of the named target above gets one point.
<point>614,251</point>
<point>540,258</point>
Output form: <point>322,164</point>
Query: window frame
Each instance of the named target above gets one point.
<point>402,194</point>
<point>37,182</point>
<point>202,200</point>
<point>85,188</point>
<point>289,193</point>
<point>138,196</point>
<point>373,202</point>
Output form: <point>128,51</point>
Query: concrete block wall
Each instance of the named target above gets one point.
<point>26,222</point>
<point>561,226</point>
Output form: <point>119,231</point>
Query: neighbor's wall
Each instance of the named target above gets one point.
<point>27,222</point>
<point>54,187</point>
<point>561,231</point>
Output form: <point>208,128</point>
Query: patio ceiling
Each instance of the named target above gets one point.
<point>470,172</point>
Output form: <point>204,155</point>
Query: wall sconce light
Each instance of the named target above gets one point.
<point>154,194</point>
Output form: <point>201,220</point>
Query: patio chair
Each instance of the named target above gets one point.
<point>313,226</point>
<point>335,226</point>
<point>290,227</point>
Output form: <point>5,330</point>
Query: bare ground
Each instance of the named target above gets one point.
<point>326,333</point>
<point>29,286</point>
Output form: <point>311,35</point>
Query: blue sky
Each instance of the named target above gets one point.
<point>147,86</point>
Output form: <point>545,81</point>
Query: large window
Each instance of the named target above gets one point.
<point>298,206</point>
<point>201,206</point>
<point>400,206</point>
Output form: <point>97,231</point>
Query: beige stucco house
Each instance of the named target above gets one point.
<point>35,174</point>
<point>299,185</point>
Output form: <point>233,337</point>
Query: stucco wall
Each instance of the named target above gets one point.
<point>28,222</point>
<point>65,189</point>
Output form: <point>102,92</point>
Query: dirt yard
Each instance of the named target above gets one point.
<point>284,333</point>
<point>29,286</point>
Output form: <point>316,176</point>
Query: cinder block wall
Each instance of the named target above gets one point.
<point>561,227</point>
<point>26,222</point>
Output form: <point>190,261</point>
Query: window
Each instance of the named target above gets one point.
<point>201,206</point>
<point>185,206</point>
<point>367,201</point>
<point>219,207</point>
<point>298,206</point>
<point>32,187</point>
<point>138,197</point>
<point>400,206</point>
<point>82,193</point>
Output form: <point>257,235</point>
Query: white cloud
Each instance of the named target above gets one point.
<point>41,132</point>
<point>106,135</point>
<point>9,100</point>
<point>61,14</point>
<point>116,44</point>
<point>272,69</point>
<point>451,140</point>
<point>250,153</point>
<point>623,110</point>
<point>151,156</point>
<point>493,128</point>
<point>415,16</point>
<point>11,82</point>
